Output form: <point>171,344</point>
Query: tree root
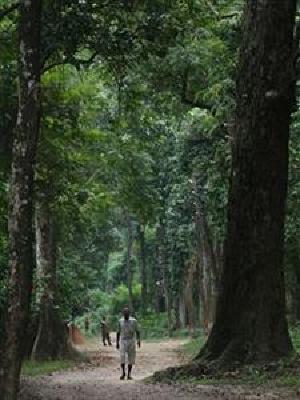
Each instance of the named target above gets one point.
<point>201,369</point>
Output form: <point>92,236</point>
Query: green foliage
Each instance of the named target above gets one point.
<point>192,347</point>
<point>120,134</point>
<point>154,326</point>
<point>34,368</point>
<point>100,303</point>
<point>120,298</point>
<point>295,336</point>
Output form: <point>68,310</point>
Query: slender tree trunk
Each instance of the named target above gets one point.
<point>51,342</point>
<point>177,312</point>
<point>250,322</point>
<point>168,299</point>
<point>208,271</point>
<point>143,269</point>
<point>129,262</point>
<point>182,310</point>
<point>106,287</point>
<point>188,291</point>
<point>158,275</point>
<point>21,203</point>
<point>163,266</point>
<point>206,293</point>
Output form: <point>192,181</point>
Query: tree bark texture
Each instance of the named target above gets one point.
<point>250,321</point>
<point>52,341</point>
<point>21,204</point>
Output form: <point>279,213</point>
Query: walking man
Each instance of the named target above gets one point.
<point>105,332</point>
<point>127,336</point>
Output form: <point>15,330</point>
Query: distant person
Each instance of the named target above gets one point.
<point>105,332</point>
<point>127,335</point>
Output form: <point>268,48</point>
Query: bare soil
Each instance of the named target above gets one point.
<point>100,379</point>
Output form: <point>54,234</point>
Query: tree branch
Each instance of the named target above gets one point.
<point>6,11</point>
<point>228,16</point>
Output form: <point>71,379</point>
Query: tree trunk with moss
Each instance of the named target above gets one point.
<point>250,321</point>
<point>21,202</point>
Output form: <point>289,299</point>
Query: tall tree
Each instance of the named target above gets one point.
<point>250,321</point>
<point>20,218</point>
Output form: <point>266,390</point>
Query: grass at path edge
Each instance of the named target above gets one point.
<point>283,374</point>
<point>36,368</point>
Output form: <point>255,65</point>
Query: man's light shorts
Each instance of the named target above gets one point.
<point>128,347</point>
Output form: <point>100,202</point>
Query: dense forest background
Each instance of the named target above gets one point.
<point>133,164</point>
<point>134,154</point>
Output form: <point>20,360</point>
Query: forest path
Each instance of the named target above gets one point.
<point>100,379</point>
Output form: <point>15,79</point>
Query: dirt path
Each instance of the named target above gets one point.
<point>100,379</point>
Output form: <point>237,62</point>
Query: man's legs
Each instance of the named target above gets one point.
<point>131,358</point>
<point>122,377</point>
<point>129,371</point>
<point>122,360</point>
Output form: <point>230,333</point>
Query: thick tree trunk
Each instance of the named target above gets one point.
<point>52,341</point>
<point>143,269</point>
<point>129,262</point>
<point>250,322</point>
<point>20,217</point>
